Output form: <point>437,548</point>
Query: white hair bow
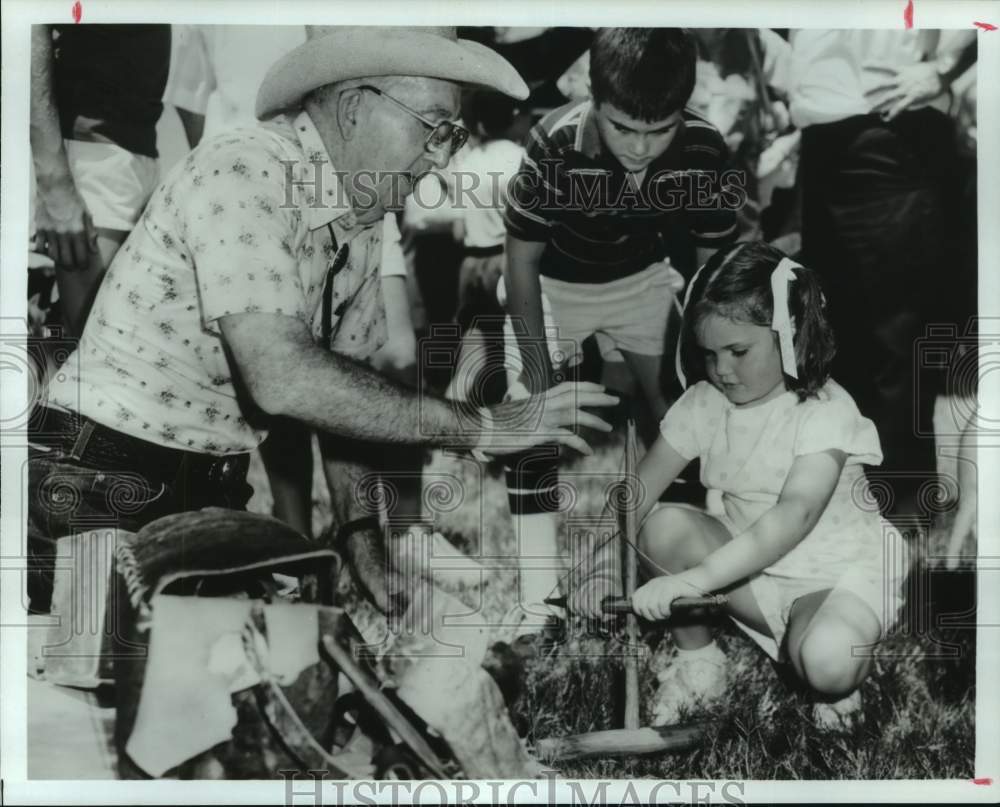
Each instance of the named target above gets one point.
<point>781,320</point>
<point>678,365</point>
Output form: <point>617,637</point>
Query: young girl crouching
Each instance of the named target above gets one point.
<point>790,533</point>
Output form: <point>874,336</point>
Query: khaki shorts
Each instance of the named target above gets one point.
<point>628,314</point>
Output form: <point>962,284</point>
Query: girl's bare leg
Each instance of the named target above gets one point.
<point>679,538</point>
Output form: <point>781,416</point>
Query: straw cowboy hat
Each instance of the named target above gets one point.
<point>335,53</point>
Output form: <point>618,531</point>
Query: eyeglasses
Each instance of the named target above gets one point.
<point>444,134</point>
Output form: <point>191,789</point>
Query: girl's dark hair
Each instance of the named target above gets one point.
<point>736,283</point>
<point>647,73</point>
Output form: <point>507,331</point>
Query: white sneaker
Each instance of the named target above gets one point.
<point>838,715</point>
<point>692,677</point>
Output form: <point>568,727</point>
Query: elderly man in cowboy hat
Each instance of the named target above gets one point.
<point>250,288</point>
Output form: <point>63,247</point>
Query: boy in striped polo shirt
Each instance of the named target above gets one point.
<point>612,194</point>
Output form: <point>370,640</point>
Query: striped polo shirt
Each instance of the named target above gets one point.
<point>598,226</point>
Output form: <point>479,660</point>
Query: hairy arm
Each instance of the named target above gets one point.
<point>61,217</point>
<point>287,374</point>
<point>524,305</point>
<point>46,139</point>
<point>805,495</point>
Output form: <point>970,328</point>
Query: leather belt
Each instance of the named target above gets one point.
<point>97,446</point>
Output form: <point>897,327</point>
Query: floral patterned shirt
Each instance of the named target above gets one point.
<point>242,225</point>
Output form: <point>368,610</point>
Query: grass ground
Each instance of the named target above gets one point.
<point>919,704</point>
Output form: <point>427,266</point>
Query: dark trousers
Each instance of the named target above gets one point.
<point>67,495</point>
<point>875,225</point>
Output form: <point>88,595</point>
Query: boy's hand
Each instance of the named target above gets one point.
<point>652,600</point>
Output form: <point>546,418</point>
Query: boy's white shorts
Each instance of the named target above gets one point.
<point>628,314</point>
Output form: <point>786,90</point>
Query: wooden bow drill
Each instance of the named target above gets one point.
<point>631,738</point>
<point>630,574</point>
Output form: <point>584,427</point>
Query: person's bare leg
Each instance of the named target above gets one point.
<point>679,538</point>
<point>351,477</point>
<point>472,357</point>
<point>831,636</point>
<point>647,373</point>
<point>539,563</point>
<point>288,460</point>
<point>616,375</point>
<point>675,539</point>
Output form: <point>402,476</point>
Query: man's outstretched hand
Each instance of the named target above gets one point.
<point>553,416</point>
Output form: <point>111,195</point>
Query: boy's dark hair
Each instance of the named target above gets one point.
<point>647,73</point>
<point>492,110</point>
<point>736,283</point>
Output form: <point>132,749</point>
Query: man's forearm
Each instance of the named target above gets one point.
<point>48,152</point>
<point>355,401</point>
<point>287,374</point>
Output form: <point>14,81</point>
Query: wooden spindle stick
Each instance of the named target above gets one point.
<point>630,569</point>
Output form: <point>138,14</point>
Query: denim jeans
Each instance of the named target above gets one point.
<point>66,496</point>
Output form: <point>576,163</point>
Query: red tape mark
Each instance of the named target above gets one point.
<point>908,15</point>
<point>985,26</point>
<point>984,781</point>
<point>77,11</point>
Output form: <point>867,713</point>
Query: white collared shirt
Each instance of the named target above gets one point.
<point>832,70</point>
<point>216,70</point>
<point>240,226</point>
